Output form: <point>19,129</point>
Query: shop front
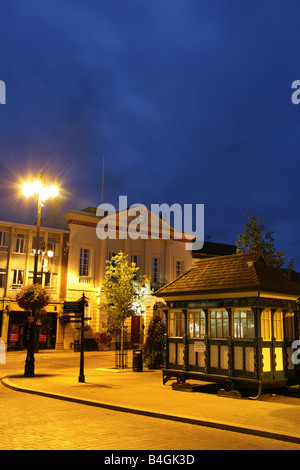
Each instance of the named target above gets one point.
<point>18,330</point>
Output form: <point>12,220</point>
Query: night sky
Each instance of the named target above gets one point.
<point>190,102</point>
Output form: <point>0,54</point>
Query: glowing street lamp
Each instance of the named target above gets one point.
<point>43,192</point>
<point>39,188</point>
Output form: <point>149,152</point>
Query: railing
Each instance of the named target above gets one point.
<point>85,280</point>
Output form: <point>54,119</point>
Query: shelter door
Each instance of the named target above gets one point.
<point>272,345</point>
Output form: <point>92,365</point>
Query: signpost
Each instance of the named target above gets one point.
<point>77,308</point>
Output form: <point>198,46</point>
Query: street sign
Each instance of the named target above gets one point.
<point>73,307</point>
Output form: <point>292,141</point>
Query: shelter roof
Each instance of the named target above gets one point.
<point>232,273</point>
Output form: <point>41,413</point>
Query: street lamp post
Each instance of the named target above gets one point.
<point>43,192</point>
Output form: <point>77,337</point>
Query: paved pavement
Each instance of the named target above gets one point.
<point>274,416</point>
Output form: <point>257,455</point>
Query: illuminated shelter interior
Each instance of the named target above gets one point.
<point>232,320</point>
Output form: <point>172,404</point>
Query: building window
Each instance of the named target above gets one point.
<point>4,240</point>
<point>38,277</point>
<point>243,324</point>
<point>51,280</point>
<point>84,263</point>
<point>17,278</point>
<point>33,243</point>
<point>196,324</point>
<point>53,245</point>
<point>278,325</point>
<point>155,270</point>
<point>2,278</point>
<point>179,267</point>
<point>19,245</point>
<point>219,324</point>
<point>111,255</point>
<point>266,325</point>
<point>176,324</point>
<point>137,260</point>
<point>289,326</point>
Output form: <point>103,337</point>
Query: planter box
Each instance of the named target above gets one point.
<point>104,347</point>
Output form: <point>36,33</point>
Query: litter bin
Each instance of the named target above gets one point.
<point>76,345</point>
<point>137,360</point>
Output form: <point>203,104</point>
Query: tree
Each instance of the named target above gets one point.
<point>257,238</point>
<point>153,350</point>
<point>121,290</point>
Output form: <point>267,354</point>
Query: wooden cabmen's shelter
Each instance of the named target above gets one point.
<point>232,320</point>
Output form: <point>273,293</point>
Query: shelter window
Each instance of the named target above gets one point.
<point>289,322</point>
<point>243,324</point>
<point>196,324</point>
<point>219,324</point>
<point>266,325</point>
<point>176,324</point>
<point>278,325</point>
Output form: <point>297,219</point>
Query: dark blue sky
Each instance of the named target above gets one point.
<point>189,101</point>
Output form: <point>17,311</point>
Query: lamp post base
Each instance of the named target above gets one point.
<point>29,367</point>
<point>29,362</point>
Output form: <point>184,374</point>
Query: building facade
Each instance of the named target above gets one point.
<point>17,249</point>
<point>159,259</point>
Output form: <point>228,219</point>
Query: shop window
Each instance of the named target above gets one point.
<point>243,324</point>
<point>176,324</point>
<point>278,325</point>
<point>219,324</point>
<point>266,325</point>
<point>196,323</point>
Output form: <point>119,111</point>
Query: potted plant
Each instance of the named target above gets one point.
<point>33,298</point>
<point>103,341</point>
